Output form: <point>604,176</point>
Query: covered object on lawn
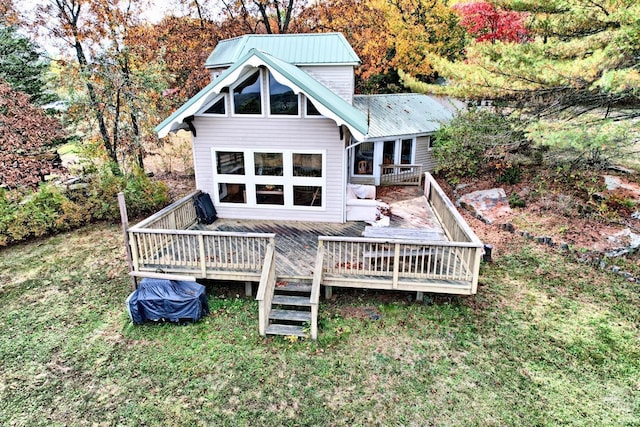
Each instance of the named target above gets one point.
<point>161,299</point>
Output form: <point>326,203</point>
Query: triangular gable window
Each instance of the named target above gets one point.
<point>216,108</point>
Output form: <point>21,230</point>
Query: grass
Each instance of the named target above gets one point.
<point>546,341</point>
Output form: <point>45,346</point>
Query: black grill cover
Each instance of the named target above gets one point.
<point>160,299</point>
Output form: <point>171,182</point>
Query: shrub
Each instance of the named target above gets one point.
<point>511,175</point>
<point>52,209</point>
<point>515,201</point>
<point>477,140</point>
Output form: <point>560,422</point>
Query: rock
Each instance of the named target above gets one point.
<point>487,205</point>
<point>626,242</point>
<point>621,169</point>
<point>614,183</point>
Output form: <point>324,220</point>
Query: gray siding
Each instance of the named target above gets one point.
<point>339,78</point>
<point>275,133</point>
<point>424,156</point>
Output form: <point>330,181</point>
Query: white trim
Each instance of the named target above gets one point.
<point>242,78</point>
<point>287,181</point>
<point>268,98</point>
<point>201,112</point>
<point>304,101</point>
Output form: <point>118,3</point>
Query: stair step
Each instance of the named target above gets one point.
<point>291,300</point>
<point>293,287</point>
<point>277,329</point>
<point>292,315</point>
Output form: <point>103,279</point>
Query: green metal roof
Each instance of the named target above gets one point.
<point>404,114</point>
<point>297,49</point>
<point>326,101</point>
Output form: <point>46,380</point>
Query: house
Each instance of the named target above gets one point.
<point>279,133</point>
<point>291,158</point>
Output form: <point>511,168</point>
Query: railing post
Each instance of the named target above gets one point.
<point>124,217</point>
<point>396,266</point>
<point>203,259</point>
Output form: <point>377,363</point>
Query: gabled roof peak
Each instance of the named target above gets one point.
<point>296,49</point>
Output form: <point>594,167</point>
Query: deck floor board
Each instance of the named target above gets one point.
<point>297,241</point>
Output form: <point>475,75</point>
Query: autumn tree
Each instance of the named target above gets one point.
<point>182,46</point>
<point>110,87</point>
<point>263,16</point>
<point>26,136</point>
<point>487,22</point>
<point>420,30</point>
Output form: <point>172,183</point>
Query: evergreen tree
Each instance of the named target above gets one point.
<point>22,66</point>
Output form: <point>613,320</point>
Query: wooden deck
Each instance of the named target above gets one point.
<point>297,241</point>
<point>404,256</point>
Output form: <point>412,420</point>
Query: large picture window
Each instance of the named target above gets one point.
<point>286,178</point>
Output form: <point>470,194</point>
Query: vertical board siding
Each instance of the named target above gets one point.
<point>424,156</point>
<point>277,133</point>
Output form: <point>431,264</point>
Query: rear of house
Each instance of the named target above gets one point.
<point>279,133</point>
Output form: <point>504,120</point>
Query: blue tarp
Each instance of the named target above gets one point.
<point>160,299</point>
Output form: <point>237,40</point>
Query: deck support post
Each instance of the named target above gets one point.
<point>248,288</point>
<point>328,291</point>
<point>420,296</point>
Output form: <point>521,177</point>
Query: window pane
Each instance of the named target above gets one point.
<point>230,162</point>
<point>268,164</point>
<point>246,96</point>
<point>307,165</point>
<point>269,194</point>
<point>232,193</point>
<point>307,195</point>
<point>405,156</point>
<point>388,152</point>
<point>311,109</point>
<point>363,159</point>
<point>217,108</point>
<point>282,100</point>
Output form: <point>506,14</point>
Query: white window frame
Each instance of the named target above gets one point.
<point>222,96</point>
<point>378,155</point>
<point>303,102</point>
<point>268,75</point>
<point>241,80</point>
<point>287,180</point>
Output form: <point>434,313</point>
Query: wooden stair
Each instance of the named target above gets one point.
<point>290,313</point>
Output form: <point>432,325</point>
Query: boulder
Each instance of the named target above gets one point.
<point>489,206</point>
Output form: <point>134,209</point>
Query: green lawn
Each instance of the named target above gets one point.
<point>546,341</point>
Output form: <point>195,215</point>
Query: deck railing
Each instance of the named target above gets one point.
<point>177,216</point>
<point>454,225</point>
<point>452,222</point>
<point>314,298</point>
<point>437,266</point>
<point>265,288</point>
<point>200,253</point>
<point>400,174</point>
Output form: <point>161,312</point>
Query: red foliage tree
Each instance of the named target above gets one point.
<point>485,22</point>
<point>26,133</point>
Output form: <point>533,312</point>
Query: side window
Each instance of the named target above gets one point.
<point>311,109</point>
<point>217,107</point>
<point>247,96</point>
